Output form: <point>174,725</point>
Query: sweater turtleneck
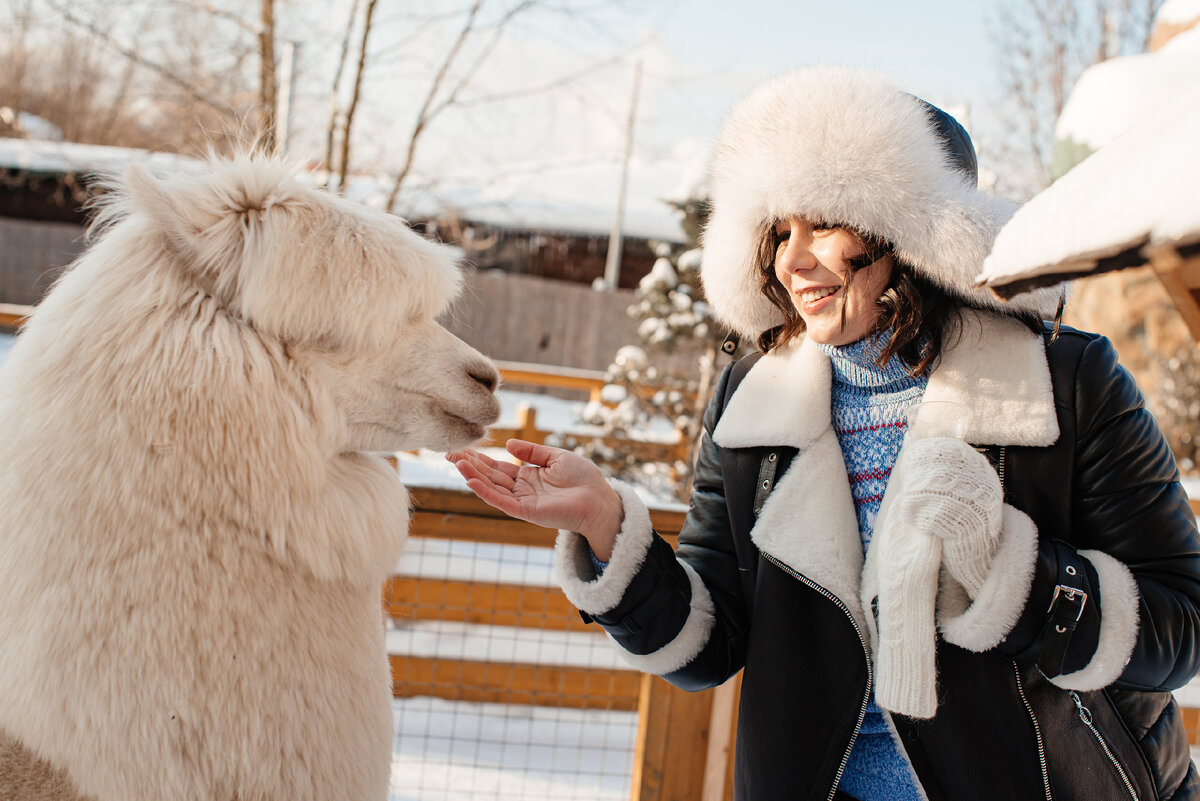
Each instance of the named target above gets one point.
<point>869,405</point>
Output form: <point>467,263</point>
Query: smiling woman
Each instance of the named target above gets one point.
<point>885,593</point>
<point>820,266</point>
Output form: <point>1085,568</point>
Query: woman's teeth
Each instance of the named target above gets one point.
<point>809,295</point>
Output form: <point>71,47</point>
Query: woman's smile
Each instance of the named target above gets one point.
<point>809,296</point>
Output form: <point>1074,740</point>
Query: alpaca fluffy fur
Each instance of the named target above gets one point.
<point>846,147</point>
<point>193,541</point>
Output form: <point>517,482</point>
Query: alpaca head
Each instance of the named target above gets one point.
<point>349,293</point>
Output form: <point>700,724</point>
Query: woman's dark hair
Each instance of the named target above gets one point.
<point>920,316</point>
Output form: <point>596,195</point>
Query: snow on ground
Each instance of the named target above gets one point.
<point>449,750</point>
<point>445,639</point>
<point>477,561</point>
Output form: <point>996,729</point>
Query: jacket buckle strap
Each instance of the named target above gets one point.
<point>766,479</point>
<point>1065,610</point>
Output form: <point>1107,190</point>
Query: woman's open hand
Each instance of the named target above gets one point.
<point>555,488</point>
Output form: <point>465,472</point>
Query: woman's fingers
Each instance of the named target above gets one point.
<point>471,469</point>
<point>489,494</point>
<point>494,471</point>
<point>503,473</point>
<point>531,452</point>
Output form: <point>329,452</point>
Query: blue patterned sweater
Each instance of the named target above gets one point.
<point>869,404</point>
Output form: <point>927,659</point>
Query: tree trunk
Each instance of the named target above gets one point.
<point>266,73</point>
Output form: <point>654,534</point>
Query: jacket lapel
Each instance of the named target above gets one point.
<point>997,368</point>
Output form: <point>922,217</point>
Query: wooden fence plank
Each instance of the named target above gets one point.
<point>458,515</point>
<point>487,603</point>
<point>515,683</point>
<point>672,743</point>
<point>539,375</point>
<point>12,315</point>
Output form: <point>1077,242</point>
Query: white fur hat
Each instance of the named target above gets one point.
<point>850,147</point>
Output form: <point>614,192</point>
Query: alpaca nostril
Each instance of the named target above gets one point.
<point>485,375</point>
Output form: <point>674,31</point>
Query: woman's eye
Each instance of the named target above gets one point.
<point>823,226</point>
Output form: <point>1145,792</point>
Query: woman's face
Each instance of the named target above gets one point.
<point>812,262</point>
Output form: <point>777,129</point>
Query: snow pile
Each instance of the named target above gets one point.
<point>1139,189</point>
<point>1115,94</point>
<point>31,125</point>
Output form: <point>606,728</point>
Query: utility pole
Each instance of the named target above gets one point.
<point>287,95</point>
<point>612,265</point>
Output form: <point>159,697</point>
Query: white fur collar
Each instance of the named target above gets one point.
<point>997,369</point>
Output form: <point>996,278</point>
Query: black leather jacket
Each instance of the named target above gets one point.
<point>1002,730</point>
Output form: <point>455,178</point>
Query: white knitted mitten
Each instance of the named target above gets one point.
<point>952,492</point>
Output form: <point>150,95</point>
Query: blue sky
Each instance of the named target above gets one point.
<point>704,54</point>
<point>699,57</point>
<point>940,47</point>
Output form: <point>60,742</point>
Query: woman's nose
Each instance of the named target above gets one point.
<point>795,256</point>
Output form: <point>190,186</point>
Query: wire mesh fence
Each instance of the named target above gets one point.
<point>501,692</point>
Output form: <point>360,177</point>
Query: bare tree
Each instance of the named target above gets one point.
<point>171,75</point>
<point>1042,48</point>
<point>267,100</point>
<point>475,33</point>
<point>348,124</point>
<point>336,118</point>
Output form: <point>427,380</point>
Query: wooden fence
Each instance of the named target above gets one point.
<point>684,741</point>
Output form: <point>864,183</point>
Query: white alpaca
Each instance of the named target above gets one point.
<point>193,532</point>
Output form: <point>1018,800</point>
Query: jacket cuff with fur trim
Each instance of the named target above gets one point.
<point>649,603</point>
<point>1104,639</point>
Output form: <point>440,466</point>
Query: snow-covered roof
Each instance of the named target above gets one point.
<point>1114,94</point>
<point>40,156</point>
<point>575,199</point>
<point>1132,194</point>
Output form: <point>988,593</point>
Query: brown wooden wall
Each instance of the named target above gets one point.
<point>521,318</point>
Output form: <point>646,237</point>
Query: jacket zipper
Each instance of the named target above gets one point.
<point>1037,733</point>
<point>1085,715</point>
<point>862,712</point>
<point>1037,729</point>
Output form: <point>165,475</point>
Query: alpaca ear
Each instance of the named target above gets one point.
<point>181,222</point>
